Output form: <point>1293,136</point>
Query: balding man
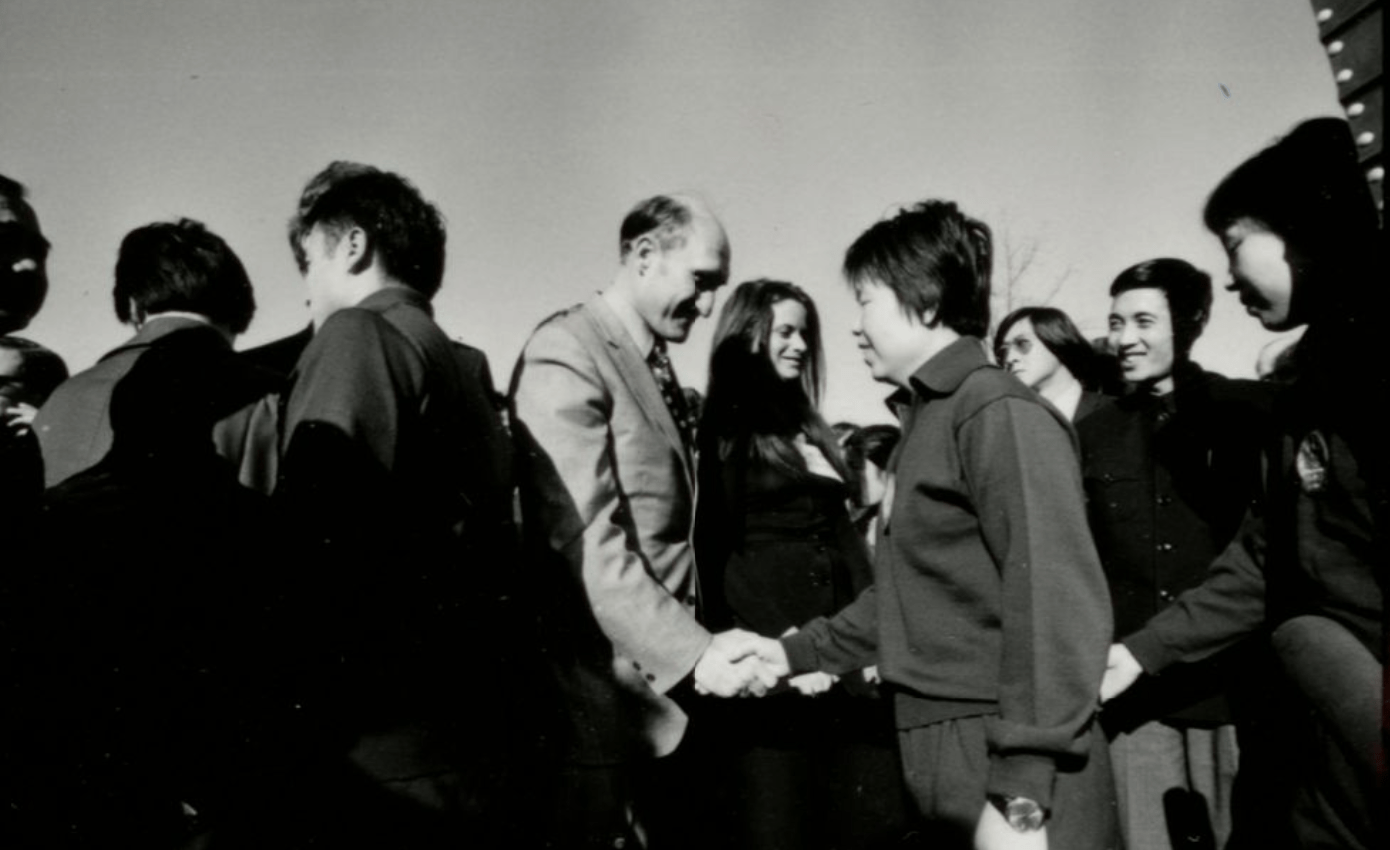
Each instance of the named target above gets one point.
<point>609,507</point>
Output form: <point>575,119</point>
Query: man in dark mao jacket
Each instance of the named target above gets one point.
<point>1302,234</point>
<point>1170,469</point>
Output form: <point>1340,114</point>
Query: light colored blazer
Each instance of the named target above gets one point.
<point>609,497</point>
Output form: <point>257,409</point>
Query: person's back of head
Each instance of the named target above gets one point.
<point>934,258</point>
<point>405,233</point>
<point>23,258</point>
<point>181,267</point>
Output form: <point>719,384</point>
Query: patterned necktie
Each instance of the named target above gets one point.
<point>671,393</point>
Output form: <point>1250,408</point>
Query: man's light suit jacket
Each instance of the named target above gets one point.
<point>608,496</point>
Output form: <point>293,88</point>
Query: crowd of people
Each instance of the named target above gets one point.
<point>341,591</point>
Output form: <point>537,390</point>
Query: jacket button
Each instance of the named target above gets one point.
<point>651,678</point>
<point>1165,596</point>
<point>1165,500</point>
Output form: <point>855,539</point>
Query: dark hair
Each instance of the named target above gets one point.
<point>933,257</point>
<point>1056,331</point>
<point>22,292</point>
<point>748,403</point>
<point>181,266</point>
<point>14,196</point>
<point>874,443</point>
<point>40,372</point>
<point>747,314</point>
<point>869,444</point>
<point>665,217</point>
<point>1187,289</point>
<point>404,231</point>
<point>1308,189</point>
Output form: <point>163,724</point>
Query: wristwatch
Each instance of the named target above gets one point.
<point>1023,814</point>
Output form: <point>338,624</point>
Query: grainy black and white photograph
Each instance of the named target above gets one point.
<point>686,425</point>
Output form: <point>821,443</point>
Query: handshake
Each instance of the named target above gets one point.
<point>740,663</point>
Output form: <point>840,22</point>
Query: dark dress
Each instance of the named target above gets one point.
<point>777,549</point>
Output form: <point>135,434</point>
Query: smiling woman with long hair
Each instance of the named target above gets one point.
<point>776,548</point>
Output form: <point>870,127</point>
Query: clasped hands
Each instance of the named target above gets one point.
<point>740,663</point>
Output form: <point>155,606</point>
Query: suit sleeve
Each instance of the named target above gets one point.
<point>562,403</point>
<point>840,644</point>
<point>340,431</point>
<point>352,378</point>
<point>1228,605</point>
<point>1025,481</point>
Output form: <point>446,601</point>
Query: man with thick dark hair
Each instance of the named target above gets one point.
<point>1170,468</point>
<point>171,279</point>
<point>988,613</point>
<point>393,488</point>
<point>1302,235</point>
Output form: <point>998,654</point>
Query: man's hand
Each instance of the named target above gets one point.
<point>994,833</point>
<point>1121,669</point>
<point>738,662</point>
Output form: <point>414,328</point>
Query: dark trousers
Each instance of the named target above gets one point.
<point>946,765</point>
<point>658,804</point>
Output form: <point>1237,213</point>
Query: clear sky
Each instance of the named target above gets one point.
<point>1085,133</point>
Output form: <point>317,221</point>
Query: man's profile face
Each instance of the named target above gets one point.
<point>23,266</point>
<point>892,341</point>
<point>1027,357</point>
<point>678,287</point>
<point>1260,272</point>
<point>1141,333</point>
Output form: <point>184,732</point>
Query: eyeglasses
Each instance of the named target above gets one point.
<point>1021,345</point>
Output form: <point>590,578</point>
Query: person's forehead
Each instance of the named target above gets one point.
<point>788,310</point>
<point>706,241</point>
<point>1022,329</point>
<point>1243,227</point>
<point>1145,300</point>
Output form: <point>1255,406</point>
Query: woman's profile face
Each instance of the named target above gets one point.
<point>1260,272</point>
<point>787,345</point>
<point>1023,354</point>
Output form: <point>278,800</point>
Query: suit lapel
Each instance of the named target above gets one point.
<point>636,374</point>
